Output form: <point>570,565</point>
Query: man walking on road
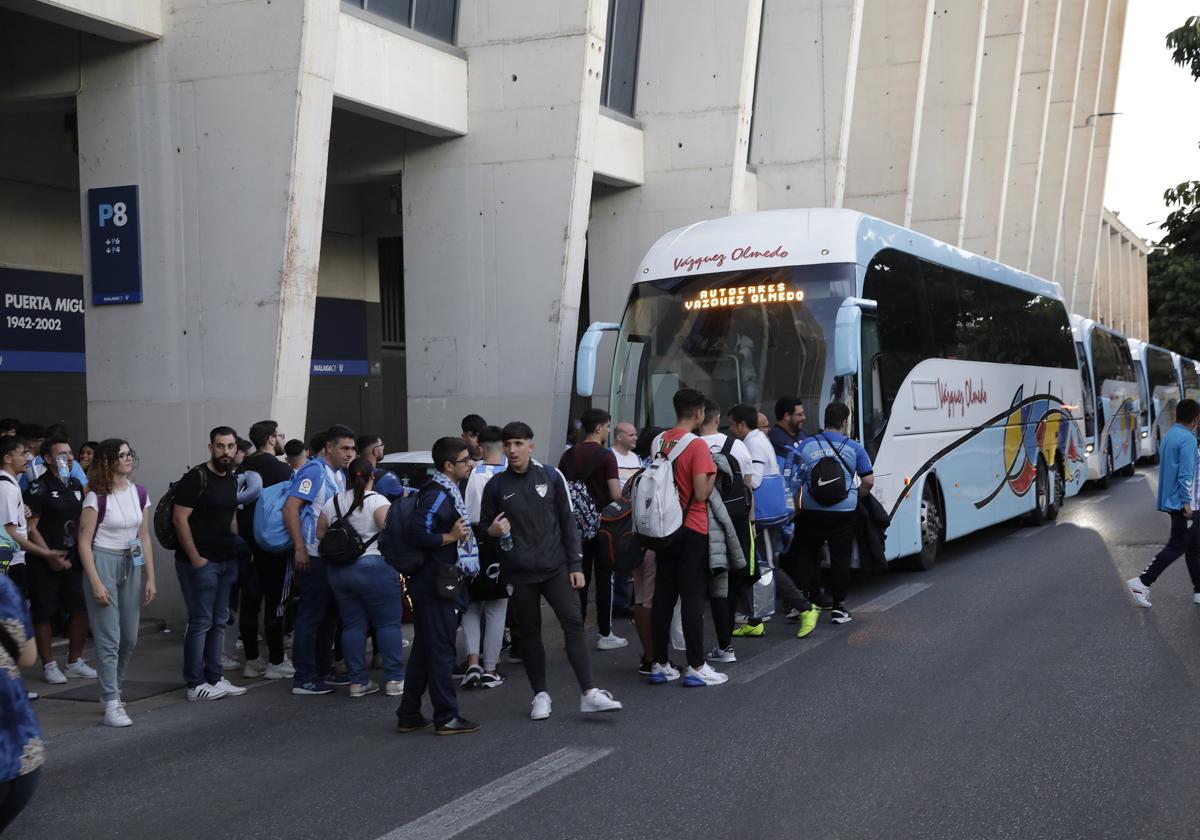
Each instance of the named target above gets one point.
<point>205,525</point>
<point>1176,489</point>
<point>527,508</point>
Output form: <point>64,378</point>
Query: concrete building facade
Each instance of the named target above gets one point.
<point>391,213</point>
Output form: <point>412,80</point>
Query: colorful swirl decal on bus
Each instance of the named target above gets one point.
<point>1032,427</point>
<point>1123,422</point>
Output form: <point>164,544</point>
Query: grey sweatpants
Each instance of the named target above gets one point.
<point>492,614</point>
<point>115,627</point>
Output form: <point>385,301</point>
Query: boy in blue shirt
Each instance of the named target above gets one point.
<point>818,524</point>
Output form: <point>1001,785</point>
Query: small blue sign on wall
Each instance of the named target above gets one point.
<point>114,224</point>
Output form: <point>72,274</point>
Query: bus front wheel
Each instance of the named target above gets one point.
<point>1106,479</point>
<point>1040,514</point>
<point>1060,489</point>
<point>932,527</point>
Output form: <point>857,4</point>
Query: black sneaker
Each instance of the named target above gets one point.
<point>471,678</point>
<point>491,680</point>
<point>456,726</point>
<point>406,725</point>
<point>840,615</point>
<point>644,668</point>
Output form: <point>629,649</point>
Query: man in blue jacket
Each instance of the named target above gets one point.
<point>1176,481</point>
<point>438,593</point>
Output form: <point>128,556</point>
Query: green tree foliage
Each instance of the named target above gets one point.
<point>1174,264</point>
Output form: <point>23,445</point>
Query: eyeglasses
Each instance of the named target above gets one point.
<point>127,456</point>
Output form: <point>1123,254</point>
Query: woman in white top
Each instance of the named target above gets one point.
<point>118,566</point>
<point>368,590</point>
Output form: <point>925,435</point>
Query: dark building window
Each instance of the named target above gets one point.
<point>435,18</point>
<point>391,290</point>
<point>621,55</point>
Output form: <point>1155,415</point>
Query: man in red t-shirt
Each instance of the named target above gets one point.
<point>682,569</point>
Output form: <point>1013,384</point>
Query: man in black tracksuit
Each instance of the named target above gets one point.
<point>529,502</point>
<point>436,528</point>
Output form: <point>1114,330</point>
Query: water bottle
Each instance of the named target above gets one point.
<point>64,468</point>
<point>506,541</point>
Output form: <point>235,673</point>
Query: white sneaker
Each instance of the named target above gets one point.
<point>231,689</point>
<point>52,675</point>
<point>541,706</point>
<point>115,715</point>
<point>1139,591</point>
<point>228,663</point>
<point>283,671</point>
<point>611,642</point>
<point>81,670</point>
<point>204,691</point>
<point>1196,598</point>
<point>393,688</point>
<point>597,700</point>
<point>660,673</point>
<point>254,669</point>
<point>357,690</point>
<point>703,676</point>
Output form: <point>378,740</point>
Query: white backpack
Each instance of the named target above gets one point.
<point>657,515</point>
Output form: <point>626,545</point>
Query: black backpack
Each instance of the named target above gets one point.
<point>342,545</point>
<point>732,487</point>
<point>827,481</point>
<point>399,553</point>
<point>164,511</point>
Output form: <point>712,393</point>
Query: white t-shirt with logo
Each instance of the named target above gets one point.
<point>12,509</point>
<point>123,513</point>
<point>363,518</point>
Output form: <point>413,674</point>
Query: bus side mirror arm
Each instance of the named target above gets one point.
<point>847,336</point>
<point>585,360</point>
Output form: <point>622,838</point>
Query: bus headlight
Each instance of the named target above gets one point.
<point>1089,449</point>
<point>1145,435</point>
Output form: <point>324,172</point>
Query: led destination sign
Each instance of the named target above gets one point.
<point>743,295</point>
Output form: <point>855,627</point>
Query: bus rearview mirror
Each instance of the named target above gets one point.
<point>846,336</point>
<point>585,359</point>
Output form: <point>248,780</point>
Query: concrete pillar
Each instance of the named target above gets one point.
<point>1029,130</point>
<point>995,119</point>
<point>229,158</point>
<point>1076,188</point>
<point>801,131</point>
<point>694,105</point>
<point>889,91</point>
<point>1056,156</point>
<point>495,224</point>
<point>1082,265</point>
<point>937,192</point>
<point>1143,296</point>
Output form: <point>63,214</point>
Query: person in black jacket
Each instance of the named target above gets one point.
<point>528,509</point>
<point>437,528</point>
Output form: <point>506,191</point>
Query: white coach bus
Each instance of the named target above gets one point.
<point>1159,393</point>
<point>1110,408</point>
<point>1189,376</point>
<point>960,372</point>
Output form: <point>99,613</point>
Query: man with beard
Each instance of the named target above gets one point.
<point>205,523</point>
<point>271,569</point>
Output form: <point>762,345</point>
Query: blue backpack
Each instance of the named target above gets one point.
<point>789,468</point>
<point>270,532</point>
<point>399,553</point>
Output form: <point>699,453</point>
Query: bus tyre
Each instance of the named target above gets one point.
<point>1040,514</point>
<point>1060,490</point>
<point>1105,478</point>
<point>1153,459</point>
<point>932,527</point>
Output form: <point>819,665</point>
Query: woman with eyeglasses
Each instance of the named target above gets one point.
<point>118,565</point>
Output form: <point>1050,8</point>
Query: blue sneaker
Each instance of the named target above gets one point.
<point>312,687</point>
<point>662,674</point>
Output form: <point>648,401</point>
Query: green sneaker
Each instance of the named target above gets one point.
<point>749,630</point>
<point>808,621</point>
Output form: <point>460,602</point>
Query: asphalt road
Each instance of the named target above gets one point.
<point>1014,691</point>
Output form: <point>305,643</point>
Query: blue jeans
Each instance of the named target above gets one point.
<point>370,590</point>
<point>206,593</point>
<point>316,620</point>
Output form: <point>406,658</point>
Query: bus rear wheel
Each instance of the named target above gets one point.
<point>932,528</point>
<point>1106,479</point>
<point>1040,514</point>
<point>1060,489</point>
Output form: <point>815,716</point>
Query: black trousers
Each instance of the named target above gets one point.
<point>1184,540</point>
<point>681,573</point>
<point>15,795</point>
<point>431,663</point>
<point>595,568</point>
<point>264,587</point>
<point>815,528</point>
<point>526,604</point>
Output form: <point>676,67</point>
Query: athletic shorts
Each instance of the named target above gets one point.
<point>643,582</point>
<point>51,592</point>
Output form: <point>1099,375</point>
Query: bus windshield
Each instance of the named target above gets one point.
<point>738,336</point>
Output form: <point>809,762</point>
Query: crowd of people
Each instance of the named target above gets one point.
<point>316,547</point>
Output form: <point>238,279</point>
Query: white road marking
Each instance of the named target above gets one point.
<point>890,599</point>
<point>1091,500</point>
<point>764,663</point>
<point>471,809</point>
<point>1029,532</point>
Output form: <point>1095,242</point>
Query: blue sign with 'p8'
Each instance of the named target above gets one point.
<point>114,226</point>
